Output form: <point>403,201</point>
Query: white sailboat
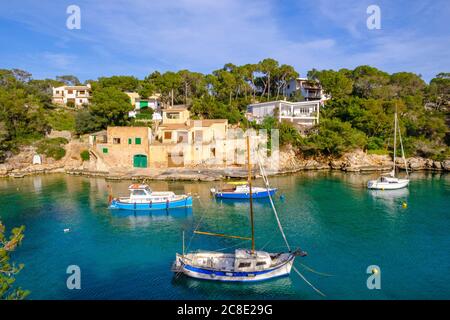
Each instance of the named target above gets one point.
<point>390,181</point>
<point>244,265</point>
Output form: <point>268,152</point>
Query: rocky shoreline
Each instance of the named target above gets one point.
<point>357,161</point>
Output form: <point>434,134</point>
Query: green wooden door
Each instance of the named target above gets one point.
<point>140,161</point>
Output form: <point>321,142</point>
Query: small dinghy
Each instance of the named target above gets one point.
<point>143,198</point>
<point>241,190</point>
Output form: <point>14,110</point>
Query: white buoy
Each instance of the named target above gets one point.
<point>66,230</point>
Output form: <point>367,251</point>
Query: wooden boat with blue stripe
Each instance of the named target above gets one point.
<point>143,198</point>
<point>242,266</point>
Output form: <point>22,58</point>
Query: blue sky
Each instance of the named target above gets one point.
<point>136,37</point>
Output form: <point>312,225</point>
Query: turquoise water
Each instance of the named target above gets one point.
<point>343,227</point>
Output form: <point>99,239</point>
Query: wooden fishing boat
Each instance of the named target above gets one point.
<point>143,198</point>
<point>244,265</point>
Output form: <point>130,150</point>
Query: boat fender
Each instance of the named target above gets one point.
<point>167,203</point>
<point>135,206</point>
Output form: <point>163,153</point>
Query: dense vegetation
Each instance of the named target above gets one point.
<point>359,114</point>
<point>9,270</point>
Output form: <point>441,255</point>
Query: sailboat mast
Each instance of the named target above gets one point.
<point>395,136</point>
<point>250,190</point>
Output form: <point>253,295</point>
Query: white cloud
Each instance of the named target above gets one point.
<point>136,37</point>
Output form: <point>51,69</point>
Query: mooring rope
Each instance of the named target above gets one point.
<point>266,182</point>
<point>314,271</point>
<point>309,283</point>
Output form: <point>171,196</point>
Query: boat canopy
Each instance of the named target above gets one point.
<point>237,183</point>
<point>247,254</point>
<point>137,186</point>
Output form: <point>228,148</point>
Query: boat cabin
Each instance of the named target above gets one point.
<point>246,261</point>
<point>139,190</point>
<point>388,179</point>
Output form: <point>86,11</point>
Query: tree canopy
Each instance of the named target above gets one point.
<point>365,98</point>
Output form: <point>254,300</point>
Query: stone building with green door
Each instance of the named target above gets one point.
<point>124,147</point>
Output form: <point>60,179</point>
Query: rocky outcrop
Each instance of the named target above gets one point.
<point>20,165</point>
<point>446,165</point>
<point>358,161</point>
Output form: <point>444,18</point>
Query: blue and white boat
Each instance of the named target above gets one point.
<point>241,190</point>
<point>240,266</point>
<point>244,265</point>
<point>143,198</point>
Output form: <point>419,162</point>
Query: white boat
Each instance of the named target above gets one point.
<point>241,190</point>
<point>390,181</point>
<point>242,265</point>
<point>143,198</point>
<point>245,265</point>
<point>387,183</point>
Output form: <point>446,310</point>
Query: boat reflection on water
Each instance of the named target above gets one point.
<point>213,289</point>
<point>244,203</point>
<point>391,198</point>
<point>154,214</point>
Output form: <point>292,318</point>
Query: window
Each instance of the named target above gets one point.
<point>260,263</point>
<point>105,150</point>
<point>213,152</point>
<point>168,135</point>
<point>198,136</point>
<point>137,140</point>
<point>244,264</point>
<point>116,140</point>
<point>173,115</point>
<point>130,141</point>
<point>138,193</point>
<point>69,91</point>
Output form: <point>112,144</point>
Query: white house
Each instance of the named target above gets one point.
<point>311,90</point>
<point>79,95</point>
<point>304,113</point>
<point>153,102</point>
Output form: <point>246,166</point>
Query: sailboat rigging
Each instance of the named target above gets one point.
<point>242,265</point>
<point>390,181</point>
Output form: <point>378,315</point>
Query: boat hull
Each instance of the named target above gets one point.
<point>163,205</point>
<point>239,195</point>
<point>377,185</point>
<point>282,270</point>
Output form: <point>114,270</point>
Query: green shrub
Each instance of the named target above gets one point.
<point>52,148</point>
<point>375,143</point>
<point>84,155</point>
<point>61,120</point>
<point>378,151</point>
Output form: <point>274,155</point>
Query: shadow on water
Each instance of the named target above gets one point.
<point>343,226</point>
<point>170,213</point>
